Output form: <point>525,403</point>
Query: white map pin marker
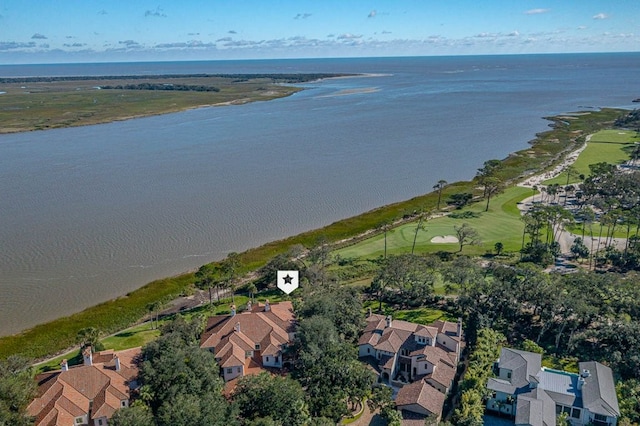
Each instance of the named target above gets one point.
<point>287,281</point>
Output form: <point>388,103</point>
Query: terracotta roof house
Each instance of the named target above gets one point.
<point>420,359</point>
<point>535,395</point>
<point>88,394</point>
<point>246,342</point>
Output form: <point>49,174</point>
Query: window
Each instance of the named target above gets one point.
<point>239,369</point>
<point>558,409</point>
<point>257,347</point>
<point>267,359</point>
<point>100,422</point>
<point>248,354</point>
<point>600,417</point>
<point>368,350</point>
<point>78,420</point>
<point>229,370</point>
<point>509,375</point>
<point>575,413</point>
<point>123,403</point>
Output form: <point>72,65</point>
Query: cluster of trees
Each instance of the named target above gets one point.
<point>405,279</point>
<point>161,86</point>
<point>17,390</point>
<point>485,351</point>
<point>219,277</point>
<point>612,197</point>
<point>180,382</point>
<point>327,365</point>
<point>608,200</point>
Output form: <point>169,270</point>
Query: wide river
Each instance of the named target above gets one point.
<point>90,213</point>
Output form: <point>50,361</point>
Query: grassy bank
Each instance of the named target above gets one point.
<point>118,314</point>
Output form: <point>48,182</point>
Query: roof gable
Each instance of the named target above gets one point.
<point>599,390</point>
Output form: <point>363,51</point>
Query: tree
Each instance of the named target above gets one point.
<point>230,267</point>
<point>460,200</point>
<point>207,278</point>
<point>154,310</point>
<point>279,398</point>
<point>135,415</point>
<point>385,226</point>
<point>579,249</point>
<point>408,275</point>
<point>89,336</point>
<point>422,217</point>
<point>439,187</point>
<point>17,390</point>
<point>492,185</point>
<point>466,236</point>
<point>498,247</point>
<point>181,381</point>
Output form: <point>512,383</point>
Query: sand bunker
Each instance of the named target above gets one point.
<point>443,239</point>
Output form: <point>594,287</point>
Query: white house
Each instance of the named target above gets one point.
<point>535,395</point>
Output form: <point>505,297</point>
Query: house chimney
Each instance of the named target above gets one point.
<point>236,327</point>
<point>87,356</point>
<point>64,365</point>
<point>459,330</point>
<point>117,361</point>
<point>581,382</point>
<point>585,373</point>
<point>249,306</point>
<point>267,307</point>
<point>389,320</point>
<point>233,310</point>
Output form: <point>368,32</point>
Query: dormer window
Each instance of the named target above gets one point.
<point>257,347</point>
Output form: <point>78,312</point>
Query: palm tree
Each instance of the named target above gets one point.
<point>154,308</point>
<point>230,267</point>
<point>438,187</point>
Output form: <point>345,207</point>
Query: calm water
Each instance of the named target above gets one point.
<point>88,214</point>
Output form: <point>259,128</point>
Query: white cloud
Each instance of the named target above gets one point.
<point>601,16</point>
<point>349,36</point>
<point>302,16</point>
<point>372,14</point>
<point>537,11</point>
<point>38,36</point>
<point>513,34</point>
<point>582,27</point>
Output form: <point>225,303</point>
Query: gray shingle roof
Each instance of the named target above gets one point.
<point>599,390</point>
<point>522,365</point>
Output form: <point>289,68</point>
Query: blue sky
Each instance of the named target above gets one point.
<point>40,31</point>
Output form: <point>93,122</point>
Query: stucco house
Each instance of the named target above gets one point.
<point>247,342</point>
<point>420,359</point>
<point>88,394</point>
<point>536,395</point>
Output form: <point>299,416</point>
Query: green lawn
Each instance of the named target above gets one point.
<point>607,146</point>
<point>423,316</point>
<point>501,223</point>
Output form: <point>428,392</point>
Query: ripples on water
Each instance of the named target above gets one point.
<point>90,213</point>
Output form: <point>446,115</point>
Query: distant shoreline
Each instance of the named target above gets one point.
<point>43,103</point>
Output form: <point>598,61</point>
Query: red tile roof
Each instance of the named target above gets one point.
<point>65,395</point>
<point>232,336</point>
